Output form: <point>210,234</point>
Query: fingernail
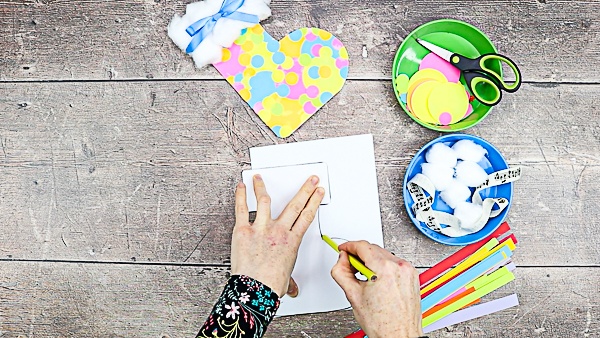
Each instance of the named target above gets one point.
<point>314,180</point>
<point>258,177</point>
<point>240,184</point>
<point>320,191</point>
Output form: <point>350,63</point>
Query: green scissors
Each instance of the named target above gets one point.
<point>477,75</point>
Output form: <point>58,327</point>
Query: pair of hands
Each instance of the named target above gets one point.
<point>266,250</point>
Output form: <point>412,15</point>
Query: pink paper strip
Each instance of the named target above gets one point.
<point>473,312</point>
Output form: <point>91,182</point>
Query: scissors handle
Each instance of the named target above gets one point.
<point>482,87</point>
<point>485,64</point>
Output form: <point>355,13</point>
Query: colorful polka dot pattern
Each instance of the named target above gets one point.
<point>286,81</point>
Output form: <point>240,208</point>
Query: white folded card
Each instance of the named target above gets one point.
<point>352,213</point>
<point>284,182</point>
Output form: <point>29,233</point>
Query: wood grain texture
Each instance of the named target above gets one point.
<point>552,41</point>
<point>54,299</point>
<point>146,170</point>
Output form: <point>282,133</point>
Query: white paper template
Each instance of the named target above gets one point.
<point>352,214</point>
<point>284,182</point>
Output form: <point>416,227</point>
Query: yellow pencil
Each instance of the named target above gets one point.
<point>355,262</point>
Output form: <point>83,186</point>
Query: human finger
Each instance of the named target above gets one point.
<point>263,201</point>
<point>369,253</point>
<point>297,204</point>
<point>308,214</point>
<point>292,290</point>
<point>343,274</point>
<point>241,207</point>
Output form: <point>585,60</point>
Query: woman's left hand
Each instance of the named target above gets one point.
<point>266,249</point>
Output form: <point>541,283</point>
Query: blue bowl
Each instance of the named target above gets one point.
<point>492,162</point>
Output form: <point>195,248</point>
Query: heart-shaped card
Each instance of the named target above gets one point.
<point>285,82</point>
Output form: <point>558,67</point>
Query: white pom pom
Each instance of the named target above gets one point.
<point>455,193</point>
<point>468,214</point>
<point>440,153</point>
<point>438,174</point>
<point>470,173</point>
<point>469,151</point>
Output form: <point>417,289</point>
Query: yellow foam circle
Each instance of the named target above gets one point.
<point>448,103</point>
<point>402,83</point>
<point>419,101</point>
<point>424,75</point>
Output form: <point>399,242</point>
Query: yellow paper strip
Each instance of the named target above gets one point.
<point>464,265</point>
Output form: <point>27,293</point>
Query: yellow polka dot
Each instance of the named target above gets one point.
<point>230,79</point>
<point>248,46</point>
<point>324,72</point>
<point>291,78</point>
<point>257,29</point>
<point>226,55</point>
<point>325,52</point>
<point>288,63</point>
<point>265,115</point>
<point>249,72</point>
<point>285,131</point>
<point>245,94</point>
<point>244,59</point>
<point>325,35</point>
<point>278,75</point>
<point>268,102</point>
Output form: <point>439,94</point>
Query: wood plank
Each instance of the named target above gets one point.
<point>552,41</point>
<point>146,170</point>
<point>54,299</point>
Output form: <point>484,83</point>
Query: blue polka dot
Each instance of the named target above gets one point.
<point>283,90</point>
<point>257,61</point>
<point>278,58</point>
<point>326,96</point>
<point>313,72</point>
<point>344,72</point>
<point>273,46</point>
<point>295,35</point>
<point>403,98</point>
<point>238,77</point>
<point>276,130</point>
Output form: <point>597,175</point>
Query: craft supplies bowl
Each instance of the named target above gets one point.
<point>492,162</point>
<point>457,36</point>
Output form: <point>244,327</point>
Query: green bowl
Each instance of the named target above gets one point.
<point>456,36</point>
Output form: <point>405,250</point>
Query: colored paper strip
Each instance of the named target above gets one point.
<point>469,298</point>
<point>464,279</point>
<point>479,255</point>
<point>474,312</point>
<point>439,268</point>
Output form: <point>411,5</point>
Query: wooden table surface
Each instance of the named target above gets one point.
<point>118,162</point>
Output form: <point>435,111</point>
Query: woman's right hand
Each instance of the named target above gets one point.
<point>389,306</point>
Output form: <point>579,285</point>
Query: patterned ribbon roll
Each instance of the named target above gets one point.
<point>200,29</point>
<point>422,206</point>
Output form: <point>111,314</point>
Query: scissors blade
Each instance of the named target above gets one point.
<point>437,50</point>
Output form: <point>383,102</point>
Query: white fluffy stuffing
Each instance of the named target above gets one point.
<point>439,153</point>
<point>468,214</point>
<point>226,31</point>
<point>469,151</point>
<point>470,173</point>
<point>439,175</point>
<point>455,193</point>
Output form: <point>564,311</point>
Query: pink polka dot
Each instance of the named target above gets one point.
<point>310,37</point>
<point>433,61</point>
<point>445,119</point>
<point>337,44</point>
<point>315,49</point>
<point>258,106</point>
<point>309,108</point>
<point>238,86</point>
<point>312,91</point>
<point>341,63</point>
